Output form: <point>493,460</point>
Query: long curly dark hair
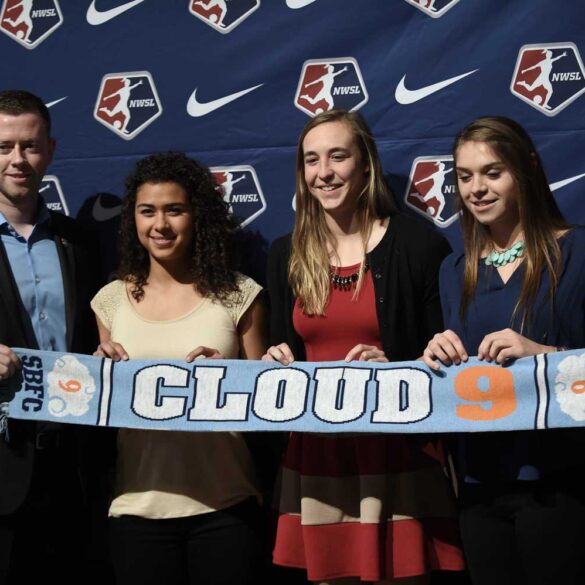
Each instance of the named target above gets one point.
<point>211,263</point>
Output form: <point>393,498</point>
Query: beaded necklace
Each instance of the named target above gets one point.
<point>500,258</point>
<point>345,282</point>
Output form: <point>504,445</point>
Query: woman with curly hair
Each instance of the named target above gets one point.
<point>184,502</point>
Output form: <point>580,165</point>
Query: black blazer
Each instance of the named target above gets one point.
<point>78,260</point>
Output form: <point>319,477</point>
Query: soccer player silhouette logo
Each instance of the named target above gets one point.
<point>23,21</point>
<point>324,85</point>
<point>543,77</point>
<point>223,15</point>
<point>29,22</point>
<point>431,189</point>
<point>436,182</point>
<point>217,10</point>
<point>228,186</point>
<point>127,103</point>
<point>240,189</point>
<point>121,105</point>
<point>548,77</point>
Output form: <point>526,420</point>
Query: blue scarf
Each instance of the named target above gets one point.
<point>543,391</point>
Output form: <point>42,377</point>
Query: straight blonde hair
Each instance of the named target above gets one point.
<point>308,271</point>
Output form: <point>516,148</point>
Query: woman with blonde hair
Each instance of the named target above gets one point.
<point>517,290</point>
<point>357,281</point>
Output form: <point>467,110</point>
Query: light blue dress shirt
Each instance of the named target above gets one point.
<point>37,271</point>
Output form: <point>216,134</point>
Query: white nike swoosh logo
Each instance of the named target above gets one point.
<point>198,109</point>
<point>294,4</point>
<point>407,96</point>
<point>101,213</point>
<point>55,102</point>
<point>96,17</point>
<point>565,182</point>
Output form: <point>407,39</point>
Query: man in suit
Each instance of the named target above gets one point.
<point>46,283</point>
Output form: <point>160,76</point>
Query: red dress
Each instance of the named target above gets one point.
<point>375,506</point>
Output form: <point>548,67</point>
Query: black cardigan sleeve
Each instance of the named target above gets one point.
<point>281,299</point>
<point>405,266</point>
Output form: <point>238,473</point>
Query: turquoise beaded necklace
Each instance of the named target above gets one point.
<point>502,257</point>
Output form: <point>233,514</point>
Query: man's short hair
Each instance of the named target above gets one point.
<point>19,101</point>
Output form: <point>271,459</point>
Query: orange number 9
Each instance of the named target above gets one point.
<point>500,393</point>
<point>71,386</point>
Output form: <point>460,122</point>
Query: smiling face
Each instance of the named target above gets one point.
<point>334,169</point>
<point>164,221</point>
<point>25,153</point>
<point>487,187</point>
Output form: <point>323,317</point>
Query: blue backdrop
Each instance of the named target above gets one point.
<point>232,82</point>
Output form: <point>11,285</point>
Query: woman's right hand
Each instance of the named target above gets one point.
<point>279,353</point>
<point>111,349</point>
<point>444,347</point>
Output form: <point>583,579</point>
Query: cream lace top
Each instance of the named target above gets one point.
<point>169,474</point>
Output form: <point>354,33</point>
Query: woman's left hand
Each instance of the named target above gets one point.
<point>506,344</point>
<point>206,352</point>
<point>366,353</point>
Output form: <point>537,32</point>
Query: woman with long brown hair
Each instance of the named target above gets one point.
<point>517,290</point>
<point>357,281</point>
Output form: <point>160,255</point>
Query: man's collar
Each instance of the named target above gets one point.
<point>43,215</point>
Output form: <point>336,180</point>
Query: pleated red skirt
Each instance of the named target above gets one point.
<point>369,506</point>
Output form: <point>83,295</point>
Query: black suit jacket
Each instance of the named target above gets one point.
<point>79,269</point>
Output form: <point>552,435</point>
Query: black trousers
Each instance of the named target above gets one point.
<point>218,548</point>
<point>45,539</point>
<point>524,533</point>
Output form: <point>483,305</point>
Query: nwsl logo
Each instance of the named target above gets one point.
<point>240,189</point>
<point>335,83</point>
<point>30,22</point>
<point>431,189</point>
<point>434,8</point>
<point>51,192</point>
<point>548,77</point>
<point>223,15</point>
<point>127,103</point>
